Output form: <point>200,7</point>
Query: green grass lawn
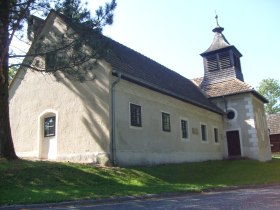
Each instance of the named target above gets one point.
<point>24,182</point>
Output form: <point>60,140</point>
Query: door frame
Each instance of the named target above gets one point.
<point>240,140</point>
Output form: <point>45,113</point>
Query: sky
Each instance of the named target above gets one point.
<point>175,32</point>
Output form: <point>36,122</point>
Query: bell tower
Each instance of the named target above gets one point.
<point>221,60</point>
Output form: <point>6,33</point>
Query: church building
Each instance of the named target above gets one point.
<point>133,110</point>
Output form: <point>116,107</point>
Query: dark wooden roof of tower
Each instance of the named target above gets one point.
<point>222,69</point>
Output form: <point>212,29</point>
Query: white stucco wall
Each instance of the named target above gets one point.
<point>149,144</point>
<point>81,110</point>
<point>247,108</point>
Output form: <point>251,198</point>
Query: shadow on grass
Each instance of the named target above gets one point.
<point>25,182</point>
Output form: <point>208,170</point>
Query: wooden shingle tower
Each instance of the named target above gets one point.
<point>221,60</point>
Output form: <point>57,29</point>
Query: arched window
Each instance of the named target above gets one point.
<point>49,126</point>
<point>48,123</point>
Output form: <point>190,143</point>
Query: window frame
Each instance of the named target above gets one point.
<point>50,61</point>
<point>187,138</point>
<point>53,133</point>
<point>216,135</point>
<point>138,117</point>
<point>163,123</point>
<point>230,109</point>
<point>205,131</point>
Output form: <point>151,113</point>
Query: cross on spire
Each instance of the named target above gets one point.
<point>217,20</point>
<point>218,28</point>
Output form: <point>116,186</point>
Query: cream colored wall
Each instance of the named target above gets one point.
<point>242,122</point>
<point>247,107</point>
<point>262,133</point>
<point>149,144</point>
<point>83,127</point>
<point>81,109</point>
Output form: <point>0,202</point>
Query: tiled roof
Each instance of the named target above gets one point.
<point>273,122</point>
<point>226,87</point>
<point>140,69</point>
<point>230,86</point>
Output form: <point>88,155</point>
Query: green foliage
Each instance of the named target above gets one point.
<point>25,182</point>
<point>270,89</point>
<point>12,72</point>
<point>79,13</point>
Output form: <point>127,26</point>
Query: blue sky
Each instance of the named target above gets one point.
<point>175,32</point>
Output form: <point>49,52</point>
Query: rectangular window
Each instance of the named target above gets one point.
<point>50,61</point>
<point>203,132</point>
<point>58,60</point>
<point>166,122</point>
<point>135,115</point>
<point>49,126</point>
<point>216,135</point>
<point>184,129</point>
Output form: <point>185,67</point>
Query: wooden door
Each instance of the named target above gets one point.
<point>233,142</point>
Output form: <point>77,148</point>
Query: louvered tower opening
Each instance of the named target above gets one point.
<point>212,64</point>
<point>224,60</point>
<point>218,61</point>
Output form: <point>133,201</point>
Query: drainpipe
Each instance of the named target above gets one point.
<point>113,131</point>
<point>225,102</point>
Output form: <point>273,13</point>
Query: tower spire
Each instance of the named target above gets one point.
<point>217,20</point>
<point>218,28</point>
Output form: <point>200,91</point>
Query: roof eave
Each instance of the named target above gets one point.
<point>165,92</point>
<point>220,50</point>
<point>255,93</point>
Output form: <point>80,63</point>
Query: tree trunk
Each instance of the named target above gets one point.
<point>6,143</point>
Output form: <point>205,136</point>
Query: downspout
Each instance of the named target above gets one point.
<point>225,103</point>
<point>113,131</point>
